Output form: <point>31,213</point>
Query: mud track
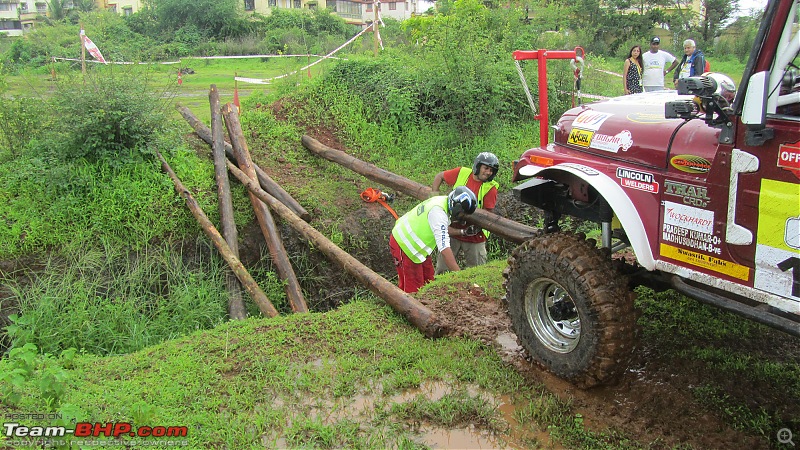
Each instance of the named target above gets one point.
<point>651,403</point>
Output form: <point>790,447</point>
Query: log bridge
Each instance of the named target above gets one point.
<point>265,192</point>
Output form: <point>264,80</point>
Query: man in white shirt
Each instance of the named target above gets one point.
<point>655,66</point>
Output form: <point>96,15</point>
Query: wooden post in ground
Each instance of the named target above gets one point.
<point>264,305</point>
<point>271,234</point>
<point>267,183</point>
<point>505,228</point>
<point>419,315</point>
<point>236,310</point>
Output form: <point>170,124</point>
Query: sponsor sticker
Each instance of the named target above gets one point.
<point>623,140</point>
<point>590,120</point>
<point>636,179</point>
<point>690,163</point>
<point>647,118</point>
<point>706,262</point>
<point>691,238</point>
<point>684,216</point>
<point>789,157</point>
<point>579,137</point>
<point>690,193</point>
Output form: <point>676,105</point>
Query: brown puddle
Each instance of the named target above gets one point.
<point>363,407</point>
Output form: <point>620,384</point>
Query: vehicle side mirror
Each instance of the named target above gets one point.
<point>754,111</point>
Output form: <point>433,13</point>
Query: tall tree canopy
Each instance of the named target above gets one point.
<point>210,18</point>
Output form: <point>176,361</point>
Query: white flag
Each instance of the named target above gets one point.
<point>93,50</point>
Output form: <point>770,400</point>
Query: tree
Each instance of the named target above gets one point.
<point>714,16</point>
<point>216,18</point>
<point>57,9</point>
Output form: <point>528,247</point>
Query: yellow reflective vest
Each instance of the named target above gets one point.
<point>463,178</point>
<point>413,232</point>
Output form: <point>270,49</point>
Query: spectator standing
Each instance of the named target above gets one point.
<point>471,240</point>
<point>655,66</point>
<point>632,72</point>
<point>692,64</point>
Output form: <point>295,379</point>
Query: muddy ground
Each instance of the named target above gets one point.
<point>652,402</point>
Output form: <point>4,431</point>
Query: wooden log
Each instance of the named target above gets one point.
<point>264,305</point>
<point>267,183</point>
<point>236,309</point>
<point>271,233</point>
<point>505,228</point>
<point>416,313</point>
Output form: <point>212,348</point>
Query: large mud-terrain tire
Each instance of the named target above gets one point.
<point>571,310</point>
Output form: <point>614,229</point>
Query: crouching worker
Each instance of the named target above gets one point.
<point>418,231</point>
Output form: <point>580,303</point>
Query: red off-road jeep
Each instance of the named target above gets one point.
<point>703,187</point>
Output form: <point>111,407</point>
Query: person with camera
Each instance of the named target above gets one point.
<point>470,239</point>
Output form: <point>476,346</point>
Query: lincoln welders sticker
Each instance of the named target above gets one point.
<point>778,240</point>
<point>690,163</point>
<point>636,179</point>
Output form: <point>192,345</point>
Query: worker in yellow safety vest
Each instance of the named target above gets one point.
<point>471,240</point>
<point>424,228</point>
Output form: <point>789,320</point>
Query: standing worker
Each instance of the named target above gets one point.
<point>471,239</point>
<point>418,231</point>
<point>655,66</point>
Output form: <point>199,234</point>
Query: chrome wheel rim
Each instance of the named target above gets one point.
<point>552,315</point>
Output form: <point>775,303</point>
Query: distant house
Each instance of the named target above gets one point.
<point>18,16</point>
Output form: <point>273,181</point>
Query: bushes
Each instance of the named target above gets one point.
<point>110,118</point>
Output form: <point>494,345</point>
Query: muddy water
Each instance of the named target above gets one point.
<point>472,437</point>
<point>363,407</point>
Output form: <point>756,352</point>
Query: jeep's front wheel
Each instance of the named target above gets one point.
<point>572,311</point>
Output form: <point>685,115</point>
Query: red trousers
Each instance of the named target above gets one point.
<point>410,275</point>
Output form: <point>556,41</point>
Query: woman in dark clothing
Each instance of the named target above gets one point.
<point>632,73</point>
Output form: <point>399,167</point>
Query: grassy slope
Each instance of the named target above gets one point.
<point>297,380</point>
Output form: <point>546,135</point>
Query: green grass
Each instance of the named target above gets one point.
<point>294,379</point>
<point>107,301</point>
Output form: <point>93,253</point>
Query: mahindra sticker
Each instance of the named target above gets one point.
<point>684,216</point>
<point>590,120</point>
<point>579,137</point>
<point>690,164</point>
<point>623,140</point>
<point>691,194</point>
<point>585,169</point>
<point>635,179</point>
<point>647,118</point>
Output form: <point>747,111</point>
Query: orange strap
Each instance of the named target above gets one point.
<point>371,195</point>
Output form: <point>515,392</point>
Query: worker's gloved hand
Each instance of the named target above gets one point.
<point>472,230</point>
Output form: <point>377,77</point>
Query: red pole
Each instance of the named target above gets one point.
<point>544,117</point>
<point>541,57</point>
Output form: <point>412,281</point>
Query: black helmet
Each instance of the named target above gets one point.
<point>487,159</point>
<point>461,201</point>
